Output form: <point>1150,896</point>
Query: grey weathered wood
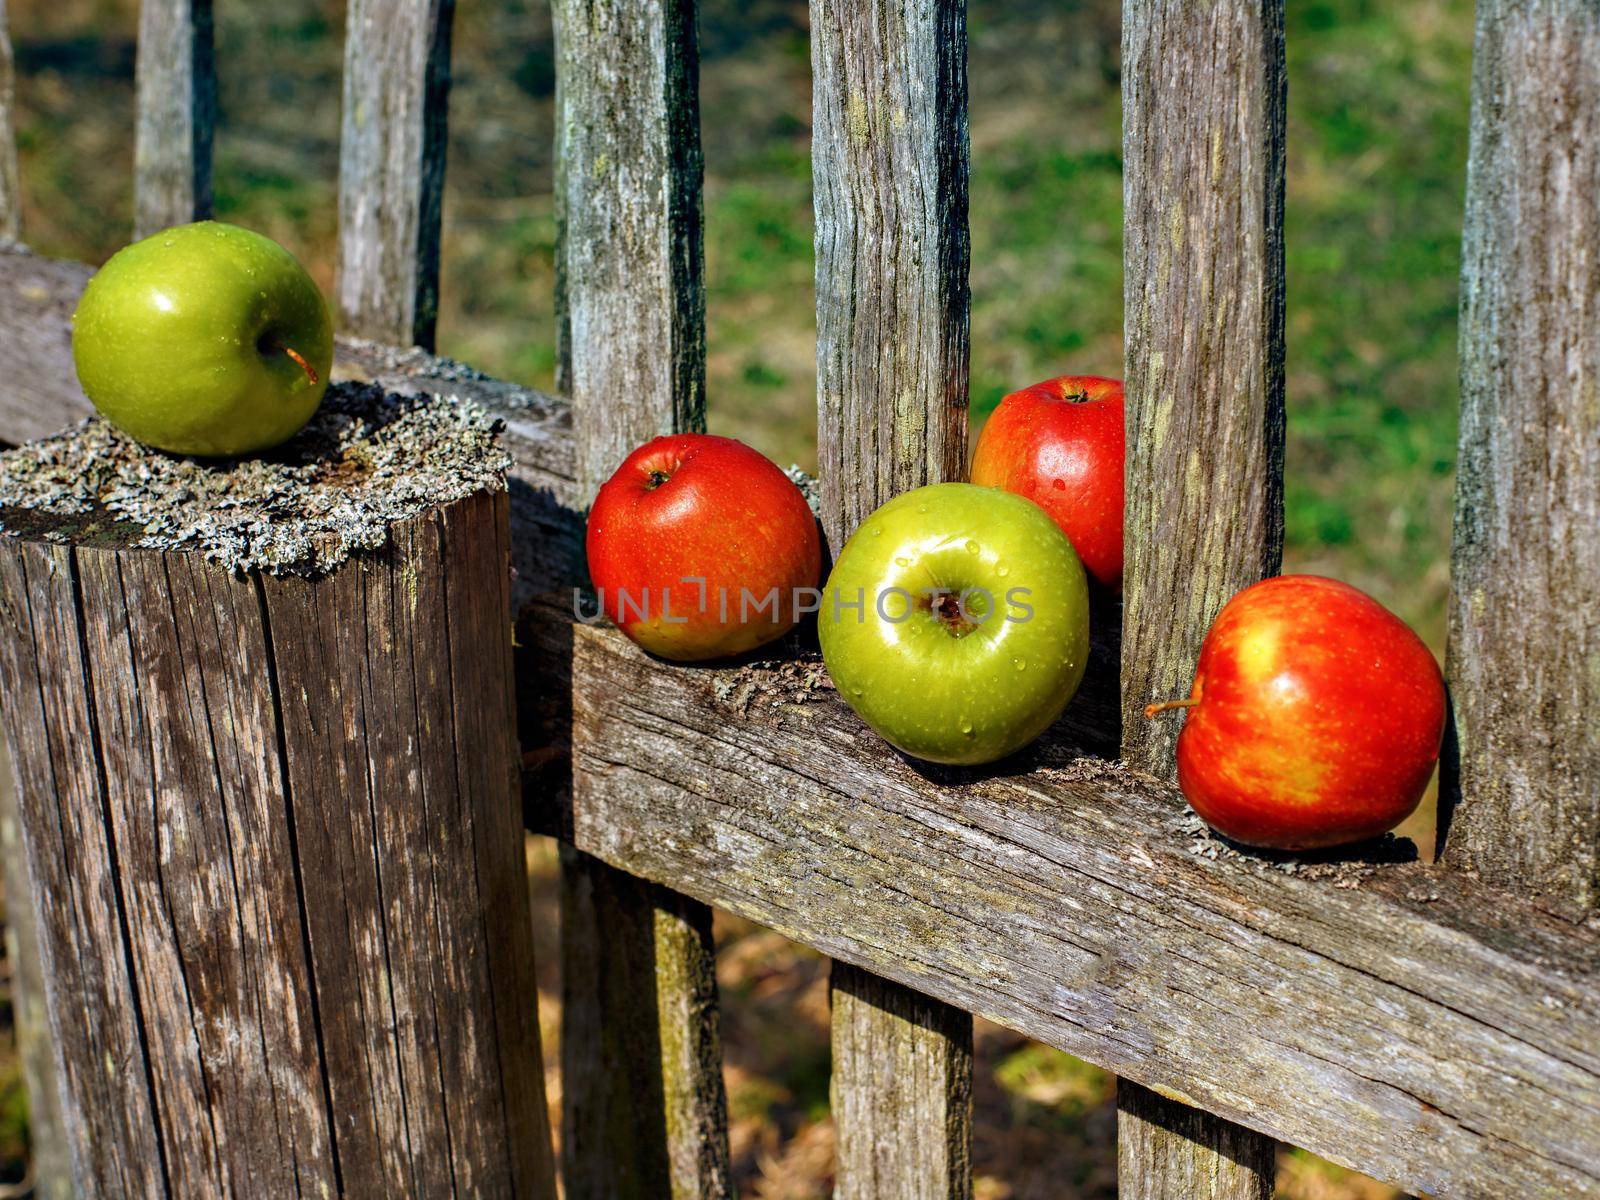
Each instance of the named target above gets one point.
<point>889,168</point>
<point>273,822</point>
<point>655,1123</point>
<point>39,391</point>
<point>1525,583</point>
<point>49,1161</point>
<point>10,180</point>
<point>1402,1019</point>
<point>1203,141</point>
<point>644,1108</point>
<point>391,168</point>
<point>631,261</point>
<point>902,1091</point>
<point>1203,89</point>
<point>177,112</point>
<point>889,163</point>
<point>1168,1150</point>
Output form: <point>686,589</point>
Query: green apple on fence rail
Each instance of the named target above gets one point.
<point>204,339</point>
<point>956,622</point>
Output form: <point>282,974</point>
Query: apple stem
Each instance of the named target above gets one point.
<point>311,372</point>
<point>1151,710</point>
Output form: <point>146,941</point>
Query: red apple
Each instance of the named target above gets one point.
<point>700,547</point>
<point>1314,719</point>
<point>1060,444</point>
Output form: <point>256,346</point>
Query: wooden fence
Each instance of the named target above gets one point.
<point>1437,1026</point>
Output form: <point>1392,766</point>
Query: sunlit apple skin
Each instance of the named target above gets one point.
<point>937,696</point>
<point>1318,719</point>
<point>691,506</point>
<point>1061,444</point>
<point>181,341</point>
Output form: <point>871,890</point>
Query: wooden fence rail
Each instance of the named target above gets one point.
<point>1425,1024</point>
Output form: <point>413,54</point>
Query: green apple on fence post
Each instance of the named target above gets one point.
<point>204,339</point>
<point>956,622</point>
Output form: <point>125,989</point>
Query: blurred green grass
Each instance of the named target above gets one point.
<point>1377,149</point>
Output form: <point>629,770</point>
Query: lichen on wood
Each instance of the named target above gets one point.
<point>367,459</point>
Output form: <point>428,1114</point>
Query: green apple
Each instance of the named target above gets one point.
<point>956,622</point>
<point>204,339</point>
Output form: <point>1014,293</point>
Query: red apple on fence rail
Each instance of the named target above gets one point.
<point>700,547</point>
<point>1060,443</point>
<point>1314,720</point>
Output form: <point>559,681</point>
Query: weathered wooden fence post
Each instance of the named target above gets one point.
<point>1203,148</point>
<point>889,160</point>
<point>391,168</point>
<point>1524,656</point>
<point>10,181</point>
<point>273,826</point>
<point>644,1111</point>
<point>177,107</point>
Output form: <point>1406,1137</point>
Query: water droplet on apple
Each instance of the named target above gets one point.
<point>1020,664</point>
<point>966,726</point>
<point>902,562</point>
<point>1002,570</point>
<point>972,546</point>
<point>877,531</point>
<point>922,508</point>
<point>1059,484</point>
<point>855,691</point>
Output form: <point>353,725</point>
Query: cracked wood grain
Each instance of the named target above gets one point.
<point>644,1110</point>
<point>1524,652</point>
<point>391,168</point>
<point>902,1091</point>
<point>1169,1151</point>
<point>274,823</point>
<point>1203,143</point>
<point>889,165</point>
<point>176,114</point>
<point>631,269</point>
<point>1449,1033</point>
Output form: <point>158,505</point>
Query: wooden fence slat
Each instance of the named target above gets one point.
<point>1524,654</point>
<point>902,1091</point>
<point>177,111</point>
<point>391,168</point>
<point>632,264</point>
<point>49,1160</point>
<point>1167,1150</point>
<point>1203,148</point>
<point>644,1111</point>
<point>10,181</point>
<point>889,164</point>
